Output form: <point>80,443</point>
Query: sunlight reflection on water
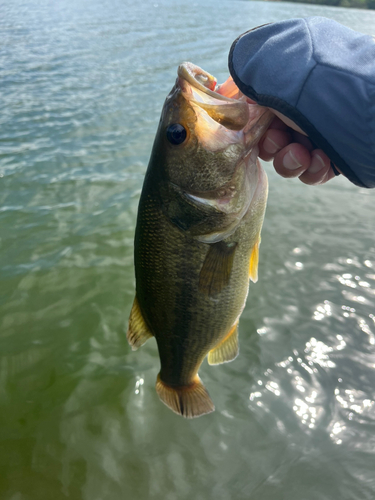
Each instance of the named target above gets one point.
<point>306,370</point>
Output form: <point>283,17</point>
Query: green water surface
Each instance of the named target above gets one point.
<point>82,84</point>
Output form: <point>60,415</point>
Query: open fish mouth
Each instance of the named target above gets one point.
<point>207,83</point>
<point>224,104</point>
<point>198,78</point>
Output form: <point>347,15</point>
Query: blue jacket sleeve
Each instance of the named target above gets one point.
<point>322,76</point>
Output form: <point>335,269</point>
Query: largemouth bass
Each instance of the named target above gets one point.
<point>198,232</point>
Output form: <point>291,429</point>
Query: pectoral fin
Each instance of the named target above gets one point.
<point>227,350</point>
<point>138,331</point>
<point>217,267</point>
<point>254,260</point>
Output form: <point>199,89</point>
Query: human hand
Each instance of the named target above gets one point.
<point>293,153</point>
<point>320,74</point>
<point>287,144</point>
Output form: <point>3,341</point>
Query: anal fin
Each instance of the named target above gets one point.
<point>217,267</point>
<point>189,401</point>
<point>254,261</point>
<point>138,332</point>
<point>227,350</point>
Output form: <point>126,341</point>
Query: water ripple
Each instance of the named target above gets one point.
<point>82,84</point>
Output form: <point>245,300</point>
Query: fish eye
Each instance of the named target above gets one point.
<point>176,134</point>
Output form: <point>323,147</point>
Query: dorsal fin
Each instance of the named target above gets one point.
<point>138,332</point>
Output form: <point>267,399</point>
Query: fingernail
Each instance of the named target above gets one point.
<point>270,146</point>
<point>317,163</point>
<point>290,161</point>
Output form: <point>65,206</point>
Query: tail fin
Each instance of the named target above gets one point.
<point>189,401</point>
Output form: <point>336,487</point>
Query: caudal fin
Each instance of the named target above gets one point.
<point>189,401</point>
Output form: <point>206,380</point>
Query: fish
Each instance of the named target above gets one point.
<point>197,234</point>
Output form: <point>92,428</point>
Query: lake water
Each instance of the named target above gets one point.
<point>82,84</point>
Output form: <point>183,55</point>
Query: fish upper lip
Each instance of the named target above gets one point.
<point>257,120</point>
<point>188,72</point>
